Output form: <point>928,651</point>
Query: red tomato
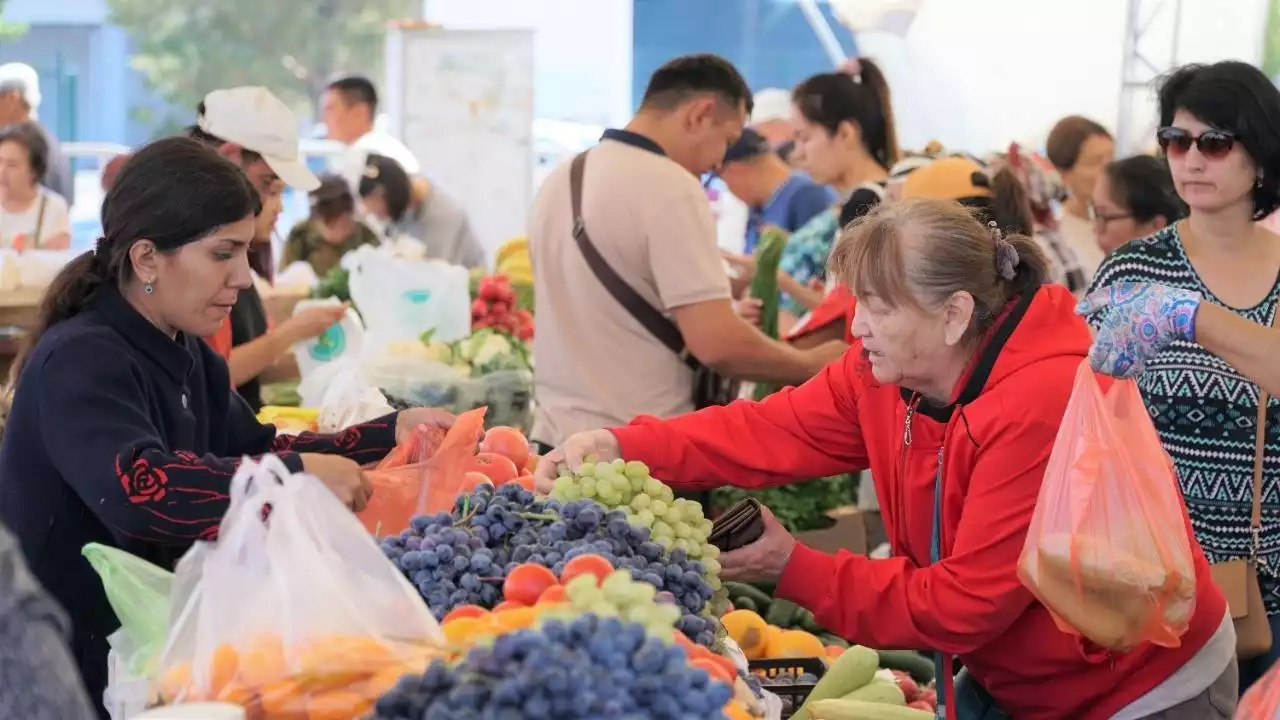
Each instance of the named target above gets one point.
<point>507,442</point>
<point>527,583</point>
<point>531,465</point>
<point>496,467</point>
<point>586,565</point>
<point>524,480</point>
<point>507,605</point>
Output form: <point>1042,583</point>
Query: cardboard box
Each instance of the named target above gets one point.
<point>846,532</point>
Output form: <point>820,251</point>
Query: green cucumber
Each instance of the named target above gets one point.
<point>919,667</point>
<point>743,602</point>
<point>764,287</point>
<point>783,613</point>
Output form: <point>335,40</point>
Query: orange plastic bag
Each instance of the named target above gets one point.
<point>1262,700</point>
<point>416,477</point>
<point>1107,550</point>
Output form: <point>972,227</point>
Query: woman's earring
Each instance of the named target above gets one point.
<point>148,288</point>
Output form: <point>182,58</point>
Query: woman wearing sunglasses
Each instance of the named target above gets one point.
<point>1220,130</point>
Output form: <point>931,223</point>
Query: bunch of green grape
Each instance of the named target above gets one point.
<point>674,523</point>
<point>623,597</point>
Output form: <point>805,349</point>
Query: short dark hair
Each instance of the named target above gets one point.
<point>356,89</point>
<point>383,172</point>
<point>1142,185</point>
<point>681,78</point>
<point>1068,137</point>
<point>1237,97</point>
<point>29,136</point>
<point>332,199</point>
<point>195,132</point>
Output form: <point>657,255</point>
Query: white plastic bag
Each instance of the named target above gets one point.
<point>400,299</point>
<point>342,340</point>
<point>413,382</point>
<point>342,395</point>
<point>294,605</point>
<point>127,694</point>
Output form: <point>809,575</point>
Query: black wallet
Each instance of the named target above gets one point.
<point>739,526</point>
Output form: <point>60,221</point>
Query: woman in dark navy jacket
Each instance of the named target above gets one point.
<point>124,427</point>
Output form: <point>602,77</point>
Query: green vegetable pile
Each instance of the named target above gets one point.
<point>800,506</point>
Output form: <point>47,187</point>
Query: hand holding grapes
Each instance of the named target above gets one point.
<point>572,453</point>
<point>764,559</point>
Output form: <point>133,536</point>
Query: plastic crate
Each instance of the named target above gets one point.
<point>793,695</point>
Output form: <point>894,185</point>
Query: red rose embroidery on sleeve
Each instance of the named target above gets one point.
<point>210,533</point>
<point>187,457</point>
<point>348,439</point>
<point>142,482</point>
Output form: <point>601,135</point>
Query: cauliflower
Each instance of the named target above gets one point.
<point>488,347</point>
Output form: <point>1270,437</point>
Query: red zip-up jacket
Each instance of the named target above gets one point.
<point>991,447</point>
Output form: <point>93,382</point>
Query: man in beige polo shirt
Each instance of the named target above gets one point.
<point>647,214</point>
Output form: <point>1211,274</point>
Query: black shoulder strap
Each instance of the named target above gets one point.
<point>655,322</point>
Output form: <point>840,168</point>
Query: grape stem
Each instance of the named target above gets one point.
<point>540,516</point>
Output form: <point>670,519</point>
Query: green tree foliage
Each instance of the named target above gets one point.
<point>188,47</point>
<point>9,30</point>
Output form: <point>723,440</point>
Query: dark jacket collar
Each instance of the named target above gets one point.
<point>173,355</point>
<point>982,368</point>
<point>634,139</point>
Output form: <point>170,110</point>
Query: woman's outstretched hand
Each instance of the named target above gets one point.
<point>1137,321</point>
<point>573,452</point>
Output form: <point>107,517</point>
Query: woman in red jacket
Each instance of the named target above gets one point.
<point>951,395</point>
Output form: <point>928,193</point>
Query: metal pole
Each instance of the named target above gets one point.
<point>823,30</point>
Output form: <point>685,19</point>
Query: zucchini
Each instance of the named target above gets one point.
<point>833,639</point>
<point>743,590</point>
<point>745,603</point>
<point>842,709</point>
<point>854,668</point>
<point>919,667</point>
<point>805,621</point>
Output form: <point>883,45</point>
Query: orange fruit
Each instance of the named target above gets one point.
<point>462,611</point>
<point>283,700</point>
<point>526,583</point>
<point>338,705</point>
<point>516,619</point>
<point>715,670</point>
<point>263,661</point>
<point>175,682</point>
<point>464,631</point>
<point>223,665</point>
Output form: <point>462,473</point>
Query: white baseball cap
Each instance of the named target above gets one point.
<point>770,104</point>
<point>255,119</point>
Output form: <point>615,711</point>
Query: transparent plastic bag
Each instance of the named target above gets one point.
<point>294,611</point>
<point>507,394</point>
<point>401,298</point>
<point>1108,550</point>
<point>342,395</point>
<point>139,594</point>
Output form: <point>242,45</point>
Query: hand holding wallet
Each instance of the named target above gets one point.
<point>740,526</point>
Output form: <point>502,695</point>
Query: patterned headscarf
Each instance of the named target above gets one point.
<point>1042,182</point>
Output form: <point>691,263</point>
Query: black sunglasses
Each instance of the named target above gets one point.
<point>1212,144</point>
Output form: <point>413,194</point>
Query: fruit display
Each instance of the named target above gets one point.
<point>495,306</point>
<point>673,523</point>
<point>512,260</point>
<point>290,420</point>
<point>588,667</point>
<point>463,557</point>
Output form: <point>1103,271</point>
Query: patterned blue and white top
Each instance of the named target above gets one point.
<point>1205,412</point>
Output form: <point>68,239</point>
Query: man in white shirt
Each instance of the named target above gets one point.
<point>645,212</point>
<point>349,108</point>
